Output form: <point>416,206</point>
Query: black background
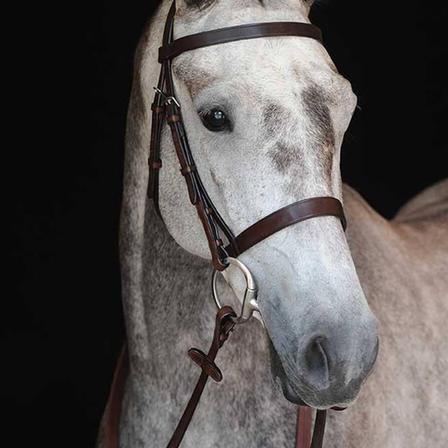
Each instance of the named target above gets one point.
<point>71,70</point>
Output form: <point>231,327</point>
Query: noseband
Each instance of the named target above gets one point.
<point>224,246</point>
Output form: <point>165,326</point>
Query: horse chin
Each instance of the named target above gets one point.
<point>290,394</point>
<point>282,381</point>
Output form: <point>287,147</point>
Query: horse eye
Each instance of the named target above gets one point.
<point>215,120</point>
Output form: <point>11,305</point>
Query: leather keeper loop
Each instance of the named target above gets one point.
<point>208,366</point>
<point>156,108</point>
<point>174,118</point>
<point>188,169</point>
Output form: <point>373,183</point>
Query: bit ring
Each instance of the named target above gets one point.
<point>250,304</point>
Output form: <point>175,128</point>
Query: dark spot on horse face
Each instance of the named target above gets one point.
<point>284,157</point>
<point>195,80</point>
<point>318,134</point>
<point>321,129</point>
<point>274,115</point>
<point>315,106</point>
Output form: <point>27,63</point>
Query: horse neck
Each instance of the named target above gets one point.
<point>371,235</point>
<point>168,309</point>
<point>381,249</point>
<point>167,297</point>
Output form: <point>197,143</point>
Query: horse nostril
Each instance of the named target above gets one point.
<point>316,362</point>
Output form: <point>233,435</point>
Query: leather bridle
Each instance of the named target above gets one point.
<point>166,106</point>
<point>224,245</point>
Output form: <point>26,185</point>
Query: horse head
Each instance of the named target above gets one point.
<point>265,120</point>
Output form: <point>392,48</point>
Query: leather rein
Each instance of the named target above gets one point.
<point>224,246</point>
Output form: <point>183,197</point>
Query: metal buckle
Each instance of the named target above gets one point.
<point>168,99</point>
<point>250,304</point>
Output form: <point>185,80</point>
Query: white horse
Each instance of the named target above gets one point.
<point>265,120</point>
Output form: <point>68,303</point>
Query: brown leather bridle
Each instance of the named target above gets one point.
<point>167,107</point>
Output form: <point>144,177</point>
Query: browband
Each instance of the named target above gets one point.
<point>236,33</point>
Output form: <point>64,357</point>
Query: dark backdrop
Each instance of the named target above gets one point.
<point>62,326</point>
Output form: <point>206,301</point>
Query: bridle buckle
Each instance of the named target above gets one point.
<point>168,99</point>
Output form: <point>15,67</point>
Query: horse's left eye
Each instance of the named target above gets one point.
<point>215,120</point>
